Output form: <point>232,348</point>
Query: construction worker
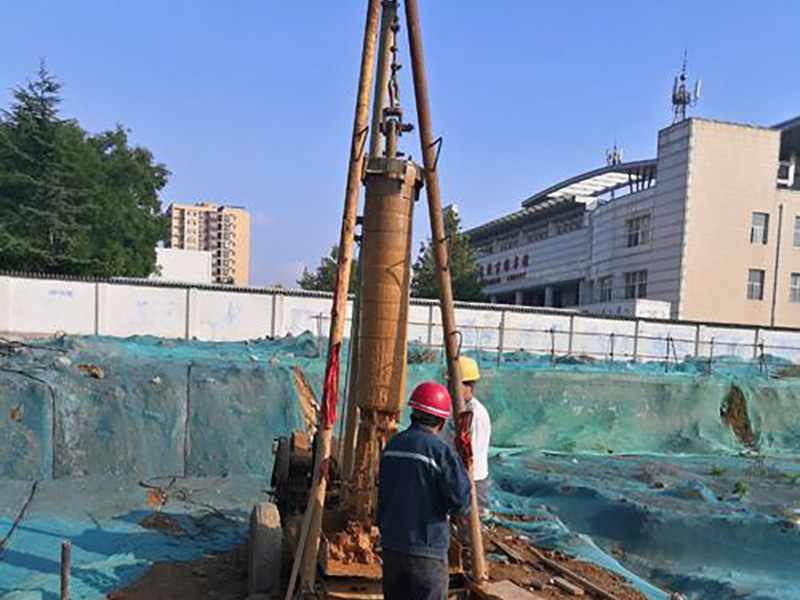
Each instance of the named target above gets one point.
<point>480,431</point>
<point>422,482</point>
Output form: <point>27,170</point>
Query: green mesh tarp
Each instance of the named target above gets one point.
<point>682,474</point>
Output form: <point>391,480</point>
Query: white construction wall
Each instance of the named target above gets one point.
<point>43,307</point>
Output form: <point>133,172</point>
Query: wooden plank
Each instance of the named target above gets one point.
<point>566,586</point>
<point>513,554</point>
<point>508,590</point>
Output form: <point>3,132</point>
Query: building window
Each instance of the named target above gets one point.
<point>567,225</point>
<point>797,232</point>
<point>497,267</point>
<point>638,230</point>
<point>525,261</point>
<point>636,284</point>
<point>606,288</point>
<point>755,284</point>
<point>535,235</point>
<point>794,288</point>
<point>759,229</point>
<point>516,262</point>
<point>506,265</point>
<point>507,243</point>
<point>489,269</point>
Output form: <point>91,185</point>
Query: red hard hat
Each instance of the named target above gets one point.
<point>432,398</point>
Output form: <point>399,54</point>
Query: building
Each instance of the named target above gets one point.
<point>222,230</point>
<point>711,225</point>
<point>183,266</point>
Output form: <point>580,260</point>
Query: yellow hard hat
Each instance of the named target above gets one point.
<point>469,369</point>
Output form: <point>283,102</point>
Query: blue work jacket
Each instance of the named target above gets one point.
<point>422,481</point>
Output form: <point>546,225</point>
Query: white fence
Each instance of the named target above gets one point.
<point>37,306</point>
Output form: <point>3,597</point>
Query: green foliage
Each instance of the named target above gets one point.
<point>464,272</point>
<point>324,278</point>
<point>72,202</point>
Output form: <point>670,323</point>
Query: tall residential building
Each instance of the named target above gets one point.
<point>711,225</point>
<point>222,230</point>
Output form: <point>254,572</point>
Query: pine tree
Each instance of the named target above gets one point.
<point>71,202</point>
<point>464,271</point>
<point>323,279</point>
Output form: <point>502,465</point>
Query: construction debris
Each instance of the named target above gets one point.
<point>356,544</point>
<point>92,370</point>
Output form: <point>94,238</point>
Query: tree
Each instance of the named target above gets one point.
<point>72,202</point>
<point>464,271</point>
<point>324,278</point>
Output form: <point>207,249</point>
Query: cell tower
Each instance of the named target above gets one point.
<point>681,97</point>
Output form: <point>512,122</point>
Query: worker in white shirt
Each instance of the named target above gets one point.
<point>481,430</point>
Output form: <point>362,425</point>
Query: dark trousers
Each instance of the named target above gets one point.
<point>408,577</point>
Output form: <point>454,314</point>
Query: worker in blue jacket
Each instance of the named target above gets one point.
<point>422,482</point>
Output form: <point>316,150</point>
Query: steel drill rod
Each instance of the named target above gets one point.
<point>438,243</point>
<point>351,421</point>
<point>382,76</point>
<point>316,500</point>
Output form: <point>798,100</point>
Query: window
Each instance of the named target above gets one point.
<point>507,243</point>
<point>606,288</point>
<point>794,288</point>
<point>567,225</point>
<point>516,262</point>
<point>525,261</point>
<point>759,228</point>
<point>797,232</point>
<point>534,235</point>
<point>489,269</point>
<point>636,284</point>
<point>506,265</point>
<point>755,284</point>
<point>638,230</point>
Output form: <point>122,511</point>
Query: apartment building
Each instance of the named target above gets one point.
<point>711,226</point>
<point>222,230</point>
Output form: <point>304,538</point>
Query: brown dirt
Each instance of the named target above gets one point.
<point>734,414</point>
<point>162,522</point>
<point>215,577</point>
<point>224,576</point>
<point>536,576</point>
<point>356,544</point>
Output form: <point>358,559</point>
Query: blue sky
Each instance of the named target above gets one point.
<point>251,102</point>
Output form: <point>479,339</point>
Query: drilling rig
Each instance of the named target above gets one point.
<point>326,489</point>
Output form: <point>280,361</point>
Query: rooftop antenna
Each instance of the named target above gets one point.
<point>614,155</point>
<point>613,158</point>
<point>681,97</point>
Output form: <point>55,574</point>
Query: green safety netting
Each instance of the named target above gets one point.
<point>679,475</point>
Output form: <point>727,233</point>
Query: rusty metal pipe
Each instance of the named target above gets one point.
<point>348,441</point>
<point>382,75</point>
<point>392,189</point>
<point>316,501</point>
<point>428,147</point>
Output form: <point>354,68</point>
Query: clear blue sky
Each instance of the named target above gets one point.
<point>251,102</point>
